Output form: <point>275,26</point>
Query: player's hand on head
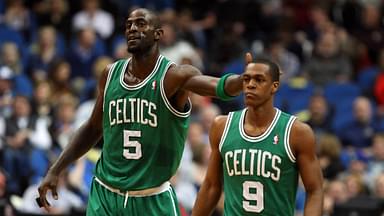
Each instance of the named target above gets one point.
<point>49,183</point>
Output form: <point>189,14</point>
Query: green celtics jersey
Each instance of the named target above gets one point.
<point>143,134</point>
<point>260,173</point>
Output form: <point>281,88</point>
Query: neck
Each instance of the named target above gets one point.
<point>260,116</point>
<point>143,63</point>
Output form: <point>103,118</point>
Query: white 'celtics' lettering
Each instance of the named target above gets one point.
<point>267,164</point>
<point>132,110</point>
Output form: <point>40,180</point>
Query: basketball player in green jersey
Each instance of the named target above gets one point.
<point>258,153</point>
<point>142,113</point>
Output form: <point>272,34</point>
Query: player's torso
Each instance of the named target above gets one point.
<point>260,173</point>
<point>143,135</point>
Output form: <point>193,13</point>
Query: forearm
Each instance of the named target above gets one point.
<point>314,203</point>
<point>86,137</point>
<point>206,200</point>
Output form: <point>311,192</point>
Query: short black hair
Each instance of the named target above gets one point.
<point>274,69</point>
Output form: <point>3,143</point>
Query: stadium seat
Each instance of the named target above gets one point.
<point>340,97</point>
<point>366,79</point>
<point>294,96</point>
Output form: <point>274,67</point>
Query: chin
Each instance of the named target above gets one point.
<point>133,49</point>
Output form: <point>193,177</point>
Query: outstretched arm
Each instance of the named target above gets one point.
<point>211,188</point>
<point>189,78</point>
<point>303,143</point>
<point>86,137</point>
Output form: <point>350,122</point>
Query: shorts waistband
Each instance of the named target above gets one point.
<point>137,193</point>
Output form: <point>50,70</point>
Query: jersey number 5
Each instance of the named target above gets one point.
<point>132,148</point>
<point>253,194</point>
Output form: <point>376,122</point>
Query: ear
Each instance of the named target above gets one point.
<point>158,34</point>
<point>275,86</point>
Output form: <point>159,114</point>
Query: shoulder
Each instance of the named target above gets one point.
<point>217,129</point>
<point>219,121</point>
<point>301,136</point>
<point>104,75</point>
<point>183,70</point>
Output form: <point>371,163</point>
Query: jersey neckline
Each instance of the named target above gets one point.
<point>142,83</point>
<point>262,136</point>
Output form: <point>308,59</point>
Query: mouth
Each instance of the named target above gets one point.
<point>249,95</point>
<point>133,38</point>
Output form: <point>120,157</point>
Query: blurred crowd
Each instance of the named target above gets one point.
<point>331,55</point>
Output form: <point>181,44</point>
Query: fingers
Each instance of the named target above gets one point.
<point>54,193</point>
<point>42,198</point>
<point>248,58</point>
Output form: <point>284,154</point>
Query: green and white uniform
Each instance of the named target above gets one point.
<point>260,173</point>
<point>143,135</point>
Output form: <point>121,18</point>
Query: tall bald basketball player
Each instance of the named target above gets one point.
<point>142,113</point>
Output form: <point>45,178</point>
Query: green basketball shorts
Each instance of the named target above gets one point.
<point>105,200</point>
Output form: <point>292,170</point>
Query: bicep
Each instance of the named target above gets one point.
<point>214,173</point>
<point>304,143</point>
<point>189,78</point>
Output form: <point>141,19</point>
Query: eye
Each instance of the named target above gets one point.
<point>141,24</point>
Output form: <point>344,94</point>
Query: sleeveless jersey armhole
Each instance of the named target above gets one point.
<point>225,131</point>
<point>110,72</point>
<point>166,101</point>
<point>287,145</point>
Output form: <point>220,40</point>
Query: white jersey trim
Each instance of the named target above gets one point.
<point>286,139</point>
<point>110,72</point>
<point>165,99</point>
<point>142,83</point>
<point>225,131</point>
<point>262,136</point>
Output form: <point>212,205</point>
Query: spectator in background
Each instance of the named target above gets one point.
<point>327,63</point>
<point>59,79</point>
<point>379,186</point>
<point>375,165</point>
<point>370,31</point>
<point>19,18</point>
<point>57,16</point>
<point>67,202</point>
<point>178,50</point>
<point>43,53</point>
<point>42,101</point>
<point>289,63</point>
<point>89,90</point>
<point>10,57</point>
<point>93,16</point>
<point>207,115</point>
<point>355,186</point>
<point>335,193</point>
<point>63,126</point>
<point>24,132</point>
<point>84,53</point>
<point>6,91</point>
<point>320,115</point>
<point>359,133</point>
<point>329,150</point>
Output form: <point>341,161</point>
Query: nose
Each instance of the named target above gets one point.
<point>251,84</point>
<point>132,27</point>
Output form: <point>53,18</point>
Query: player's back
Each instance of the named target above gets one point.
<point>260,173</point>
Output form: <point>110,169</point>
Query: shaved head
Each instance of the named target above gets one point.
<point>151,16</point>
